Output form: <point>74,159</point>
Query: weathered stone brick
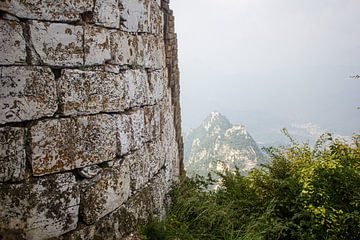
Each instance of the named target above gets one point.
<point>58,44</point>
<point>152,122</point>
<point>97,45</point>
<point>139,50</point>
<point>105,194</point>
<point>107,13</point>
<point>12,154</point>
<point>157,84</point>
<point>39,209</point>
<point>26,93</point>
<point>153,49</point>
<point>139,168</point>
<point>138,128</point>
<point>65,144</point>
<point>54,206</point>
<point>12,43</point>
<point>141,16</point>
<point>89,92</point>
<point>124,134</point>
<point>124,48</point>
<point>145,163</point>
<point>137,88</point>
<point>65,10</point>
<point>147,204</point>
<point>14,206</point>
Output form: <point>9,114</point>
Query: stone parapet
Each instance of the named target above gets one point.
<point>90,128</point>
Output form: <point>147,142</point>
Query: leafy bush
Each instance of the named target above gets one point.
<point>304,193</point>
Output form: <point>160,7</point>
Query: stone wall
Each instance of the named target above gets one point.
<point>90,124</point>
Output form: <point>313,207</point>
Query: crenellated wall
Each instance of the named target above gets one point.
<point>90,123</point>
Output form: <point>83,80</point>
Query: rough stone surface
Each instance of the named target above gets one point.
<point>64,10</point>
<point>58,44</point>
<point>26,93</point>
<point>157,86</point>
<point>138,128</point>
<point>124,136</point>
<point>40,209</point>
<point>89,92</point>
<point>54,206</point>
<point>12,154</point>
<point>145,164</point>
<point>152,122</point>
<point>14,207</point>
<point>90,123</point>
<point>107,13</point>
<point>124,48</point>
<point>141,50</point>
<point>12,43</point>
<point>141,16</point>
<point>154,54</point>
<point>65,144</point>
<point>97,45</point>
<point>105,194</point>
<point>137,88</point>
<point>149,203</point>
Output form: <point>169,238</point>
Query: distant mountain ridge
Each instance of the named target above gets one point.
<point>217,144</point>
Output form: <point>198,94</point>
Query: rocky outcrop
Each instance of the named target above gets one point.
<point>90,125</point>
<point>217,146</point>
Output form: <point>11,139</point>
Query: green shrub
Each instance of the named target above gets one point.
<point>303,193</point>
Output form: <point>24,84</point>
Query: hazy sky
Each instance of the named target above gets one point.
<point>270,59</point>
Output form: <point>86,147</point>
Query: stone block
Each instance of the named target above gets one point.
<point>130,131</point>
<point>65,10</point>
<point>138,128</point>
<point>14,206</point>
<point>148,204</point>
<point>152,122</point>
<point>139,168</point>
<point>26,93</point>
<point>157,83</point>
<point>154,51</point>
<point>58,44</point>
<point>64,144</point>
<point>137,88</point>
<point>97,45</point>
<point>124,136</point>
<point>107,13</point>
<point>12,43</point>
<point>145,163</point>
<point>39,209</point>
<point>90,92</point>
<point>12,154</point>
<point>141,16</point>
<point>105,194</point>
<point>54,206</point>
<point>124,48</point>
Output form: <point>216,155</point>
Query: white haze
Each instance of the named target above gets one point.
<point>262,62</point>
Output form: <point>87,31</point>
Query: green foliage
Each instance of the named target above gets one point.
<point>304,193</point>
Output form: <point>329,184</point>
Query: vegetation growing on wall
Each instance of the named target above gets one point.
<point>304,193</point>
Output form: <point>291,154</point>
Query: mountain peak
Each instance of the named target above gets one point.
<point>216,120</point>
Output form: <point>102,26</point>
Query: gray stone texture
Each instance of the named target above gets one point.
<point>39,209</point>
<point>90,127</point>
<point>90,92</point>
<point>64,10</point>
<point>12,154</point>
<point>64,144</point>
<point>26,93</point>
<point>57,44</point>
<point>12,43</point>
<point>106,193</point>
<point>141,16</point>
